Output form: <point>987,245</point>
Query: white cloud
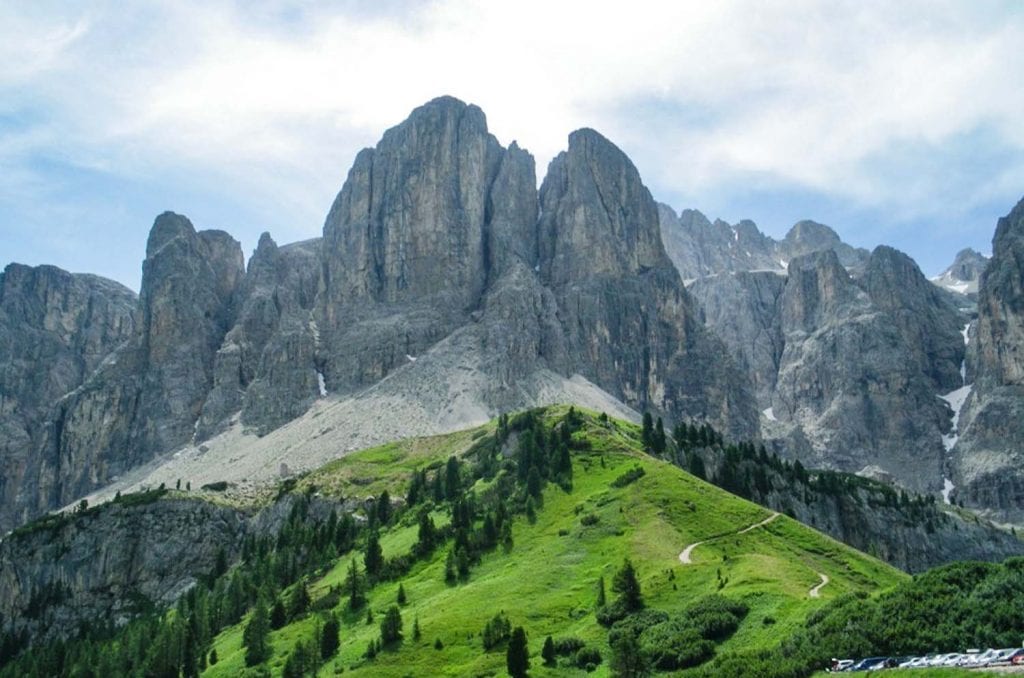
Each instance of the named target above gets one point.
<point>798,93</point>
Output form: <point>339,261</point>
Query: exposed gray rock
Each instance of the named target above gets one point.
<point>744,309</point>
<point>55,329</point>
<point>146,396</point>
<point>107,564</point>
<point>405,251</point>
<point>963,275</point>
<point>267,362</point>
<point>989,455</point>
<point>847,370</point>
<point>630,325</point>
<point>699,248</point>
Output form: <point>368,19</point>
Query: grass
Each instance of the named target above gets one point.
<point>547,582</point>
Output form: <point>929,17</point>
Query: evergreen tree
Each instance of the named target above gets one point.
<point>451,575</point>
<point>298,602</point>
<point>517,658</point>
<point>601,599</point>
<point>373,559</point>
<point>254,638</point>
<point>427,534</point>
<point>696,466</point>
<point>391,626</point>
<point>401,599</point>
<point>647,432</point>
<point>627,586</point>
<point>213,656</point>
<point>329,638</point>
<point>658,443</point>
<point>437,488</point>
<point>452,481</point>
<point>533,484</point>
<point>278,616</point>
<point>548,652</point>
<point>627,658</point>
<point>300,663</point>
<point>416,634</point>
<point>384,508</point>
<point>354,587</point>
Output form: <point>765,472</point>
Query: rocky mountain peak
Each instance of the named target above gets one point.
<point>818,288</point>
<point>812,235</point>
<point>613,227</point>
<point>968,264</point>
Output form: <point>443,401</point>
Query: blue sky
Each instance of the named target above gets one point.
<point>895,123</point>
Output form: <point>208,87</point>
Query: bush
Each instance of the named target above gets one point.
<point>568,645</point>
<point>588,656</point>
<point>630,476</point>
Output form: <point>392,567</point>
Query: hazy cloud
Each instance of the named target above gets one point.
<point>876,110</point>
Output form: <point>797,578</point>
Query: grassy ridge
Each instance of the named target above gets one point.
<point>547,582</point>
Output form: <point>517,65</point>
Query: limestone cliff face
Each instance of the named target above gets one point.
<point>744,309</point>
<point>146,396</point>
<point>104,564</point>
<point>700,248</point>
<point>407,250</point>
<point>988,456</point>
<point>55,329</point>
<point>266,367</point>
<point>630,325</point>
<point>847,369</point>
<point>443,280</point>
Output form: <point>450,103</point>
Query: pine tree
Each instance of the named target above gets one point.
<point>647,432</point>
<point>213,656</point>
<point>298,602</point>
<point>391,626</point>
<point>373,559</point>
<point>658,440</point>
<point>627,586</point>
<point>601,599</point>
<point>278,616</point>
<point>354,587</point>
<point>517,658</point>
<point>451,575</point>
<point>254,638</point>
<point>416,635</point>
<point>401,599</point>
<point>427,534</point>
<point>627,659</point>
<point>329,638</point>
<point>533,485</point>
<point>548,652</point>
<point>384,508</point>
<point>452,482</point>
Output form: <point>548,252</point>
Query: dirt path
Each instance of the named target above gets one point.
<point>816,591</point>
<point>684,557</point>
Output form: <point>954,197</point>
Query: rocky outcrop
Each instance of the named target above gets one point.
<point>146,396</point>
<point>444,284</point>
<point>266,367</point>
<point>110,563</point>
<point>407,244</point>
<point>847,369</point>
<point>988,456</point>
<point>699,248</point>
<point>963,275</point>
<point>55,329</point>
<point>744,309</point>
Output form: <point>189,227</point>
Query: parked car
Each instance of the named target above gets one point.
<point>869,664</point>
<point>841,665</point>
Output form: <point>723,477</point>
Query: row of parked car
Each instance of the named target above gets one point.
<point>969,659</point>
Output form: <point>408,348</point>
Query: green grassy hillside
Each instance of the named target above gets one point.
<point>547,581</point>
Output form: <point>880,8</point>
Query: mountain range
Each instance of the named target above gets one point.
<point>447,288</point>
